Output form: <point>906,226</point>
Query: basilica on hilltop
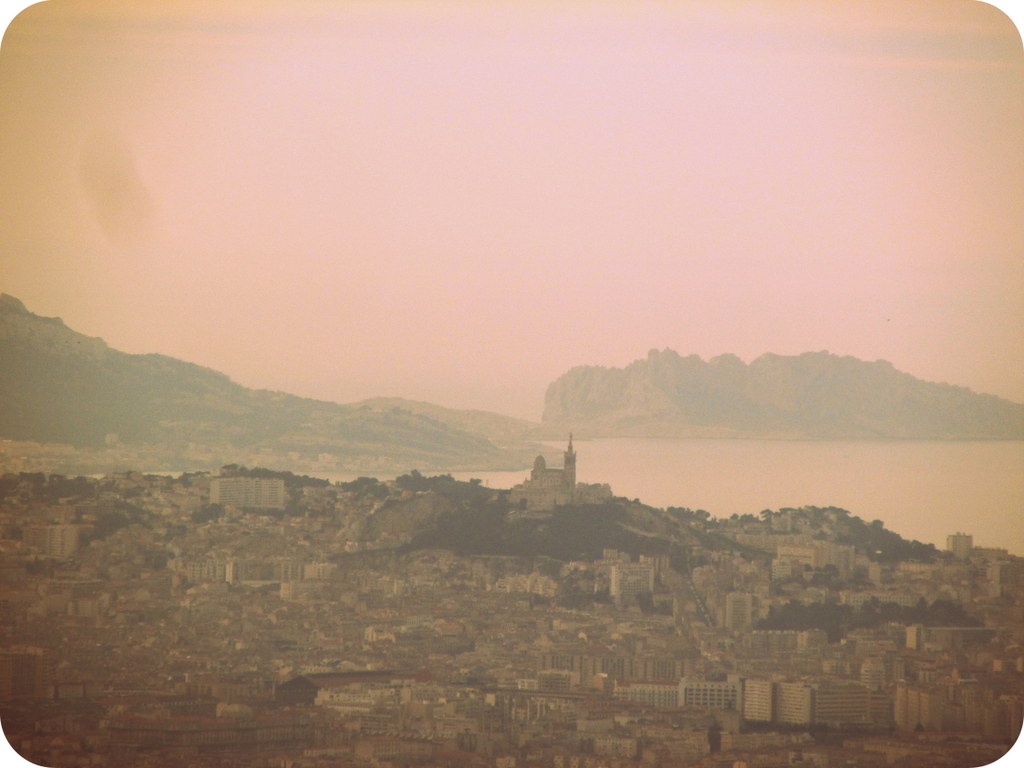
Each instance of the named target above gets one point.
<point>547,487</point>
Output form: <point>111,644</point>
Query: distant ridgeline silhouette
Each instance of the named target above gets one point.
<point>58,386</point>
<point>813,395</point>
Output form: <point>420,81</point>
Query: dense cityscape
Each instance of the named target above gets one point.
<point>294,292</point>
<point>259,618</point>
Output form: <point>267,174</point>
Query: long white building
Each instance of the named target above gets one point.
<point>257,492</point>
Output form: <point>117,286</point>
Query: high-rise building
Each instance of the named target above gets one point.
<point>631,579</point>
<point>832,702</point>
<point>841,703</point>
<point>758,700</point>
<point>960,544</point>
<point>714,694</point>
<point>872,672</point>
<point>25,673</point>
<point>915,636</point>
<point>739,611</point>
<point>919,707</point>
<point>794,703</point>
<point>53,540</point>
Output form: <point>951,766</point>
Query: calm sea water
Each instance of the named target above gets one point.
<point>923,490</point>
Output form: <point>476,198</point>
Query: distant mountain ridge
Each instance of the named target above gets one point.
<point>497,427</point>
<point>59,386</point>
<point>816,395</point>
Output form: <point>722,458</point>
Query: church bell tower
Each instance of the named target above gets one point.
<point>569,471</point>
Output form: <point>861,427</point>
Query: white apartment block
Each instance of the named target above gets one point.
<point>651,693</point>
<point>758,700</point>
<point>794,703</point>
<point>53,540</point>
<point>739,611</point>
<point>960,544</point>
<point>726,694</point>
<point>842,703</point>
<point>256,492</point>
<point>818,554</point>
<point>899,597</point>
<point>631,579</point>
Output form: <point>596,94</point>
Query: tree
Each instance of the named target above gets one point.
<point>207,512</point>
<point>414,481</point>
<point>365,486</point>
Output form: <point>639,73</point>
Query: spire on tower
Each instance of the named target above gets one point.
<point>569,470</point>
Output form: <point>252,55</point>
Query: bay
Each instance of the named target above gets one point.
<point>921,489</point>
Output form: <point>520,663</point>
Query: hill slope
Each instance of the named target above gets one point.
<point>496,427</point>
<point>814,395</point>
<point>470,519</point>
<point>59,386</point>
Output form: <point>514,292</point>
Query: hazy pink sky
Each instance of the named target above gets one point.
<point>457,202</point>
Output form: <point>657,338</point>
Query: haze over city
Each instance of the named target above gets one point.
<point>798,548</point>
<point>458,203</point>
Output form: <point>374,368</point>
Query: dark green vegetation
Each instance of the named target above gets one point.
<point>469,519</point>
<point>107,515</point>
<point>837,619</point>
<point>62,387</point>
<point>569,533</point>
<point>872,539</point>
<point>46,487</point>
<point>813,395</point>
<point>293,482</point>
